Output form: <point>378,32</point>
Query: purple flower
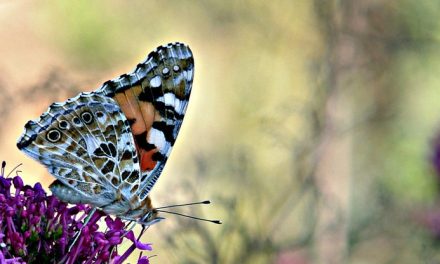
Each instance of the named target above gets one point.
<point>137,243</point>
<point>39,228</point>
<point>144,260</point>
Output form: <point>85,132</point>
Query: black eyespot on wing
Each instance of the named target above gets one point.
<point>63,124</point>
<point>76,120</point>
<point>53,135</point>
<point>87,117</point>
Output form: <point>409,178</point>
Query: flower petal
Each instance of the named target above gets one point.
<point>139,245</point>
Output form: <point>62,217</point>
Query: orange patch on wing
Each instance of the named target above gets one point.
<point>144,114</point>
<point>148,112</point>
<point>138,126</point>
<point>124,105</point>
<point>147,162</point>
<point>128,101</point>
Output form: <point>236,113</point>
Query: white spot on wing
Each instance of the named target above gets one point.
<point>157,138</point>
<point>156,82</point>
<point>171,100</point>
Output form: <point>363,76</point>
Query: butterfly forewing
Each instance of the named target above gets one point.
<point>154,98</point>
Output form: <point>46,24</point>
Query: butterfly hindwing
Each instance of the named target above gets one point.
<point>154,99</point>
<point>86,143</point>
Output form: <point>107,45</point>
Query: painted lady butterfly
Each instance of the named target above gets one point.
<point>107,148</point>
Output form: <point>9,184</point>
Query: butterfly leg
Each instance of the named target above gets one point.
<point>133,224</point>
<point>86,221</point>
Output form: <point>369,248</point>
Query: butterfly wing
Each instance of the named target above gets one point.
<point>86,143</point>
<point>154,99</point>
<point>108,148</point>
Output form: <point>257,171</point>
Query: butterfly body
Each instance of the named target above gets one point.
<point>107,148</point>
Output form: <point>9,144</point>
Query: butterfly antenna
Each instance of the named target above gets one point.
<point>15,168</point>
<point>3,168</point>
<point>192,217</point>
<point>178,205</point>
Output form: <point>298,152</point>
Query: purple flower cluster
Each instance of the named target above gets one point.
<point>39,228</point>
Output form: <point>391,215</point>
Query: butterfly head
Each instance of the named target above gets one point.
<point>142,211</point>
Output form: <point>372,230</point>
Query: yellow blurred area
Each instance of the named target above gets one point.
<point>309,124</point>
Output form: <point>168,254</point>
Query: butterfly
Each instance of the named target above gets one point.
<point>107,148</point>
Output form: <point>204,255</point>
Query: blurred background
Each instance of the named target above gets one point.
<point>313,126</point>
